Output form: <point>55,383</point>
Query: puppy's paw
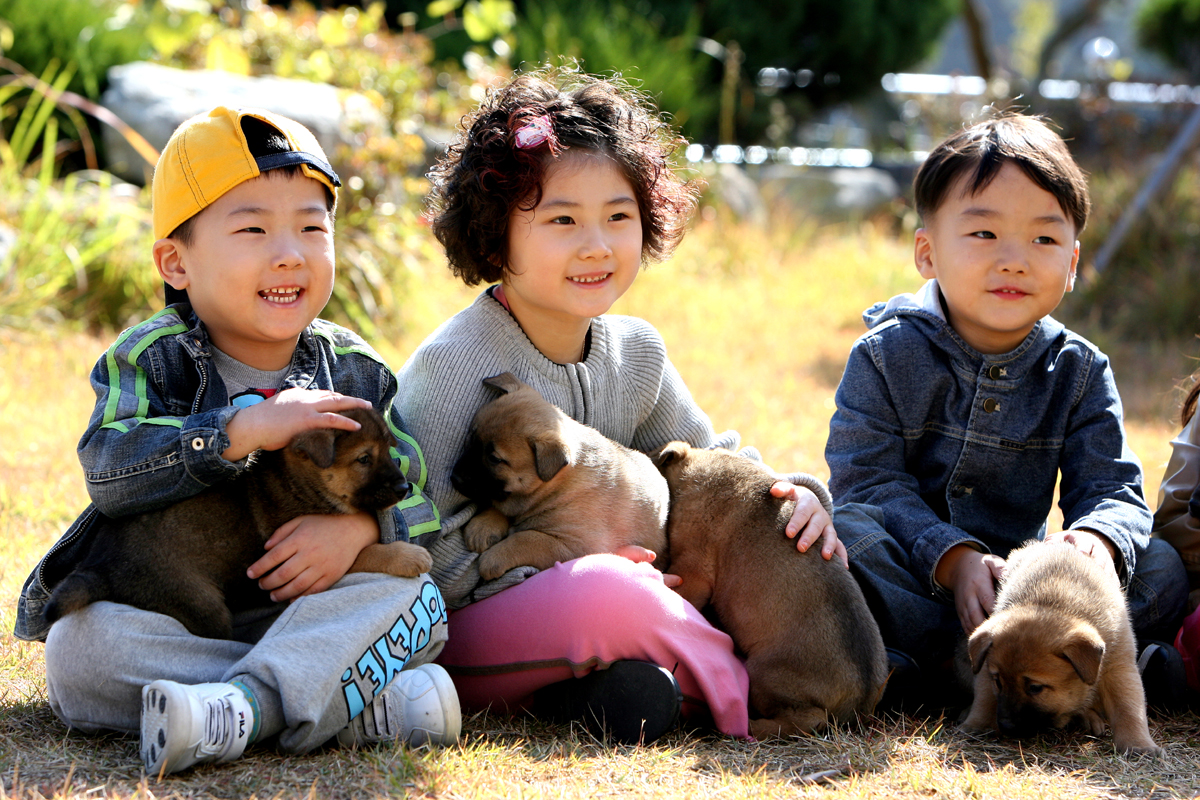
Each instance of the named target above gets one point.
<point>1150,749</point>
<point>485,529</point>
<point>491,565</point>
<point>401,559</point>
<point>1091,721</point>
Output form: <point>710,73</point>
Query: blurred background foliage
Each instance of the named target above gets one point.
<point>82,238</point>
<point>1172,29</point>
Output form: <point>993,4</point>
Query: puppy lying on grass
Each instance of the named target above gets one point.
<point>1058,649</point>
<point>189,560</point>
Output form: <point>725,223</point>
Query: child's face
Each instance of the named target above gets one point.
<point>1003,258</point>
<point>579,250</point>
<point>259,267</point>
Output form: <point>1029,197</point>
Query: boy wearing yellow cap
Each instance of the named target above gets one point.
<point>243,217</point>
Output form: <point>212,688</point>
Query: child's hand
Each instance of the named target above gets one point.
<point>811,521</point>
<point>1089,543</point>
<point>641,555</point>
<point>312,552</point>
<point>971,576</point>
<point>271,424</point>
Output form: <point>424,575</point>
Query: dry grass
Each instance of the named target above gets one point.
<point>759,323</point>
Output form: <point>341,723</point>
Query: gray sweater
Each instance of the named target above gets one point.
<point>626,388</point>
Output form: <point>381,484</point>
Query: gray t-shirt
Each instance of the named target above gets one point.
<point>245,384</point>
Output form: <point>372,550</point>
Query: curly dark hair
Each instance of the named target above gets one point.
<point>484,176</point>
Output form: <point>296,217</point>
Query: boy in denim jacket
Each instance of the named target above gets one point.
<point>243,216</point>
<point>963,403</point>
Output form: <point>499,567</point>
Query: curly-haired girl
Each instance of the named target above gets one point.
<point>557,190</point>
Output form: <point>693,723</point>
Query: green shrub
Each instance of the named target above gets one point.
<point>1171,28</point>
<point>91,34</point>
<point>83,243</point>
<point>612,37</point>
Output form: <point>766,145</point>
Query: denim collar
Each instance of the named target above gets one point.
<point>925,310</point>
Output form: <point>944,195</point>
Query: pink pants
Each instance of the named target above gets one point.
<point>583,615</point>
<point>1187,642</point>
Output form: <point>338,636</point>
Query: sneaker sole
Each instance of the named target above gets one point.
<point>155,702</point>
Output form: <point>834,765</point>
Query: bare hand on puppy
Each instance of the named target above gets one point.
<point>271,424</point>
<point>311,553</point>
<point>1089,543</point>
<point>641,555</point>
<point>811,521</point>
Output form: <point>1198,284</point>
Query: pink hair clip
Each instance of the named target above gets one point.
<point>534,132</point>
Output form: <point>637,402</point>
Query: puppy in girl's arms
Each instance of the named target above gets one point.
<point>551,489</point>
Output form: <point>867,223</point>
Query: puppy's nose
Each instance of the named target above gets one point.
<point>401,488</point>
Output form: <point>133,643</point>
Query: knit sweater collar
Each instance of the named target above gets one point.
<point>510,336</point>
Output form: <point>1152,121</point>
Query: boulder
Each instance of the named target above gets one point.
<point>154,99</point>
<point>831,192</point>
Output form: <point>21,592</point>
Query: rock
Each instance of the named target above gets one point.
<point>831,192</point>
<point>154,99</point>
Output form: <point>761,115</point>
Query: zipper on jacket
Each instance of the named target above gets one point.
<point>85,522</point>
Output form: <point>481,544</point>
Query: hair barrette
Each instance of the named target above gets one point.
<point>534,133</point>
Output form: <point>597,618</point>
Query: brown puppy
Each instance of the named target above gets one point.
<point>1058,648</point>
<point>189,560</point>
<point>551,489</point>
<point>812,648</point>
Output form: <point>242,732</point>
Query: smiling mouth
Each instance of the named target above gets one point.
<point>282,294</point>
<point>592,279</point>
<point>1009,292</point>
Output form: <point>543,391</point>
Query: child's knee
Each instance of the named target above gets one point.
<point>610,587</point>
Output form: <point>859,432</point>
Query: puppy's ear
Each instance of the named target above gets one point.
<point>979,645</point>
<point>316,445</point>
<point>668,453</point>
<point>550,455</point>
<point>1085,651</point>
<point>506,382</point>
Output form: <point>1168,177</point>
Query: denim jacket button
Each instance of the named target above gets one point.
<point>991,404</point>
<point>996,372</point>
<point>197,443</point>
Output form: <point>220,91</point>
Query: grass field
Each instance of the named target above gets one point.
<point>759,323</point>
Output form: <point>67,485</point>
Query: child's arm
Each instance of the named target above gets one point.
<point>139,453</point>
<point>1174,521</point>
<point>865,453</point>
<point>1101,486</point>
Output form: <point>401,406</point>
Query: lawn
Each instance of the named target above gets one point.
<point>758,322</point>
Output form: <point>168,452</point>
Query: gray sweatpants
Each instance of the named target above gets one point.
<point>316,666</point>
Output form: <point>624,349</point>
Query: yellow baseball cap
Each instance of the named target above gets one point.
<point>208,155</point>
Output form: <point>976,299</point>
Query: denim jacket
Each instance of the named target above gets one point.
<point>957,447</point>
<point>159,427</point>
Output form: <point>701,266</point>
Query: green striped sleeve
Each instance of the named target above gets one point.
<point>114,370</point>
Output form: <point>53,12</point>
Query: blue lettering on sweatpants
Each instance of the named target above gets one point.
<point>378,665</point>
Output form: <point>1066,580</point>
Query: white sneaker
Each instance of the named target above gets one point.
<point>185,725</point>
<point>420,705</point>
